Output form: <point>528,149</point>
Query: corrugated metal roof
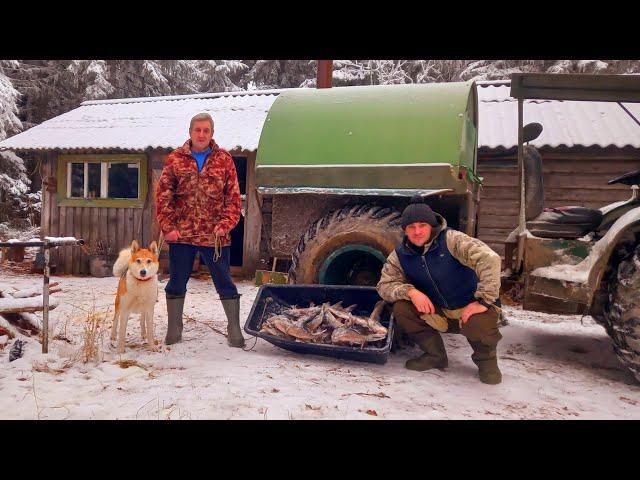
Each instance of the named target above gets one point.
<point>162,122</point>
<point>154,122</point>
<point>566,123</point>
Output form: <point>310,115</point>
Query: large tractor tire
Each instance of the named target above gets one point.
<point>622,314</point>
<point>347,246</point>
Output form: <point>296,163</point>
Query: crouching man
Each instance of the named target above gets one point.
<point>442,280</point>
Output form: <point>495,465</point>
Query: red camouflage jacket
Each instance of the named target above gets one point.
<point>193,202</point>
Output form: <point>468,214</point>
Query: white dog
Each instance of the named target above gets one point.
<point>137,291</point>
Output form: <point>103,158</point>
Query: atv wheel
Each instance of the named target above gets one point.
<point>622,314</point>
<point>347,246</point>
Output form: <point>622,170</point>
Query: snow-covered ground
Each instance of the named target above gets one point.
<point>553,366</point>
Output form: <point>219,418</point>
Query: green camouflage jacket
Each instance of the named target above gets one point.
<point>469,251</point>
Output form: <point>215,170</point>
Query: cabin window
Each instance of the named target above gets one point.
<point>102,180</point>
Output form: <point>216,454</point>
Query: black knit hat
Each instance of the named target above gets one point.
<point>418,211</point>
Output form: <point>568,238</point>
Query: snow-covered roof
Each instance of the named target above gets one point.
<point>566,123</point>
<point>153,122</point>
<point>162,122</point>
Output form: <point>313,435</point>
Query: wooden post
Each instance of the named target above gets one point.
<point>325,74</point>
<point>45,300</point>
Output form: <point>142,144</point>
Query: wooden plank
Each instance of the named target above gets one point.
<point>579,181</point>
<point>152,223</point>
<point>87,228</point>
<point>495,232</point>
<point>143,217</point>
<point>62,229</point>
<point>77,232</point>
<point>500,180</point>
<point>488,221</point>
<point>68,254</point>
<point>602,196</point>
<point>52,160</point>
<point>139,228</point>
<point>609,168</point>
<point>120,240</point>
<point>253,220</point>
<point>492,206</point>
<point>111,228</point>
<point>505,193</point>
<point>127,228</point>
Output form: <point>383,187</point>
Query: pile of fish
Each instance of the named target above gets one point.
<point>329,324</point>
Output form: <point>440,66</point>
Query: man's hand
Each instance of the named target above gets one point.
<point>220,231</point>
<point>172,236</point>
<point>421,301</point>
<point>472,309</point>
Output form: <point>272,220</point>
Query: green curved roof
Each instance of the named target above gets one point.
<point>386,124</point>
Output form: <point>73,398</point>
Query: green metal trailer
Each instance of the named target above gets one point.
<point>335,167</point>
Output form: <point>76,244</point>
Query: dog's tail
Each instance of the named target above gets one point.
<point>122,263</point>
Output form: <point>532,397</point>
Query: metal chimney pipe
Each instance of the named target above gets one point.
<point>325,73</point>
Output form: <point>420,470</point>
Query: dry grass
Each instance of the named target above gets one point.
<point>93,329</point>
<point>43,367</point>
<point>131,363</point>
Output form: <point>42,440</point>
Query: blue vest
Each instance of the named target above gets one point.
<point>439,275</point>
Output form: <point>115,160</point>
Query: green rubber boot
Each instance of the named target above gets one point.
<point>175,304</point>
<point>232,310</point>
<point>435,355</point>
<point>487,361</point>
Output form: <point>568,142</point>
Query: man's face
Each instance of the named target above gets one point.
<point>201,134</point>
<point>418,233</point>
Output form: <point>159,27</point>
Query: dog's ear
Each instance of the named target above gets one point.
<point>134,247</point>
<point>154,248</point>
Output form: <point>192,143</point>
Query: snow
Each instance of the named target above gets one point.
<point>157,122</point>
<point>61,239</point>
<point>566,123</point>
<point>554,367</point>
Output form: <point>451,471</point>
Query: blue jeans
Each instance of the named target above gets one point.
<point>181,256</point>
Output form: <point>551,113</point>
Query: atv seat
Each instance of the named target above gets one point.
<point>559,222</point>
<point>565,222</point>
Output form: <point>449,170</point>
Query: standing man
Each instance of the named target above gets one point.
<point>198,204</point>
<point>442,280</point>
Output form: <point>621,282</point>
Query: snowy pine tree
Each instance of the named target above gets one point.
<point>14,183</point>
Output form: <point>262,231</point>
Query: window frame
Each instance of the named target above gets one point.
<point>63,175</point>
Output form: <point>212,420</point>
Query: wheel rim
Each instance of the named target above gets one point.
<point>352,265</point>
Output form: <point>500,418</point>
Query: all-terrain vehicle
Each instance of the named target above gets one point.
<point>577,260</point>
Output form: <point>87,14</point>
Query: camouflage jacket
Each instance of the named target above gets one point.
<point>469,251</point>
<point>193,202</point>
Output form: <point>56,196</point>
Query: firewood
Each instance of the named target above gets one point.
<point>31,304</point>
<point>34,291</point>
<point>7,329</point>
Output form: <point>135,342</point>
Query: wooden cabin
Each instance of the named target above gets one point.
<point>101,161</point>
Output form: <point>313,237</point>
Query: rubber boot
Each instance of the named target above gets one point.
<point>232,310</point>
<point>487,361</point>
<point>175,304</point>
<point>435,355</point>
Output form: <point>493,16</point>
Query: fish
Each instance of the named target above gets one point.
<point>326,323</point>
<point>349,336</point>
<point>350,320</point>
<point>294,329</point>
<point>313,322</point>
